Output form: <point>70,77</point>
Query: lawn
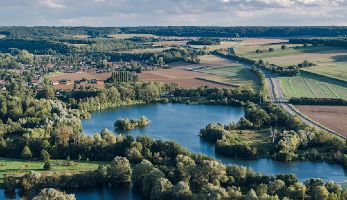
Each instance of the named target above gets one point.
<point>313,87</point>
<point>17,166</point>
<point>233,75</point>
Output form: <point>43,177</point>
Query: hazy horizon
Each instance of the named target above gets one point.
<point>121,13</point>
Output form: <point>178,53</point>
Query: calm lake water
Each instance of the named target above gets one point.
<point>181,123</point>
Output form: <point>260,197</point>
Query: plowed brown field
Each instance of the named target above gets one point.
<point>333,117</point>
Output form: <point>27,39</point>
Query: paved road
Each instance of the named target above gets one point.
<point>277,96</point>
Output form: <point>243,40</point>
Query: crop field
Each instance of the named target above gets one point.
<point>336,70</point>
<point>17,166</point>
<point>313,87</point>
<point>186,79</point>
<point>222,45</point>
<point>171,43</point>
<point>235,75</point>
<point>212,71</point>
<point>333,117</point>
<point>329,61</point>
<point>127,36</point>
<point>146,50</point>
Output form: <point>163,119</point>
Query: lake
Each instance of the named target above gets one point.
<point>181,123</point>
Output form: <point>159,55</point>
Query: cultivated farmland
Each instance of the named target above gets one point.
<point>235,75</point>
<point>333,117</point>
<point>312,86</point>
<point>212,71</point>
<point>186,79</point>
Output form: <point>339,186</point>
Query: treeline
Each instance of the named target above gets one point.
<point>251,31</point>
<point>34,46</point>
<point>122,76</point>
<point>286,71</point>
<point>204,95</point>
<point>336,41</point>
<point>204,41</point>
<point>164,170</point>
<point>159,59</point>
<point>67,46</point>
<point>39,32</point>
<point>317,101</point>
<point>185,31</point>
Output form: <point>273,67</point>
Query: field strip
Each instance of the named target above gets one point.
<point>332,91</point>
<point>217,82</point>
<point>308,85</point>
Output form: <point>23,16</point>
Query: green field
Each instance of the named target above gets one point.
<point>17,166</point>
<point>233,75</point>
<point>329,61</point>
<point>249,51</point>
<point>313,87</point>
<point>222,45</point>
<point>333,70</point>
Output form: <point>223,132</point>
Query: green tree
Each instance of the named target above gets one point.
<point>47,166</point>
<point>26,153</point>
<point>140,170</point>
<point>45,156</point>
<point>320,193</point>
<point>120,170</point>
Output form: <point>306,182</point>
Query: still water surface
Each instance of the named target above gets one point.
<point>181,123</point>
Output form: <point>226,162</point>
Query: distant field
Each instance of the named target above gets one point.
<point>146,50</point>
<point>329,61</point>
<point>235,75</point>
<point>17,166</point>
<point>223,45</point>
<point>2,36</point>
<point>171,43</point>
<point>336,70</point>
<point>333,117</point>
<point>313,87</point>
<point>186,79</point>
<point>81,36</point>
<point>217,75</point>
<point>278,53</point>
<point>127,36</point>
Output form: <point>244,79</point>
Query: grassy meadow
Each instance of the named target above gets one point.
<point>18,166</point>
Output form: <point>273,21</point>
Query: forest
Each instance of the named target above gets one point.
<point>40,32</point>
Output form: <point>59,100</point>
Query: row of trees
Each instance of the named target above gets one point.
<point>287,71</point>
<point>167,171</point>
<point>317,101</point>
